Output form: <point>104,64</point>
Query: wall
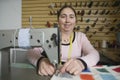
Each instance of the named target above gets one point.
<point>99,20</point>
<point>10,14</point>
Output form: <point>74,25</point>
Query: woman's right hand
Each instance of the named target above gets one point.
<point>45,67</point>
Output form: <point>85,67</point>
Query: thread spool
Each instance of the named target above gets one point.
<point>104,44</point>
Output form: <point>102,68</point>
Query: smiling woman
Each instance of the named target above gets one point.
<point>67,20</point>
<point>77,53</point>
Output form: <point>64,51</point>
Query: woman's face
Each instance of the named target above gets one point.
<point>67,20</point>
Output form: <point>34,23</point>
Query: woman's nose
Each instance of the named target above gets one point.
<point>67,19</point>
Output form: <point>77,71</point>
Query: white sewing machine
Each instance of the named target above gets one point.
<point>48,38</point>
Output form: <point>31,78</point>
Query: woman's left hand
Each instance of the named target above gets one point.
<point>73,66</point>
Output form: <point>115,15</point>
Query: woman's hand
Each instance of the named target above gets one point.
<point>45,67</point>
<point>73,66</point>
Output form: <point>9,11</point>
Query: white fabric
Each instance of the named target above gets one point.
<point>65,76</point>
<point>23,38</point>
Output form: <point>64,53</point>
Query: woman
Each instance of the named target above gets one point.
<point>76,50</point>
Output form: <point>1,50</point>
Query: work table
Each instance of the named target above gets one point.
<point>27,72</point>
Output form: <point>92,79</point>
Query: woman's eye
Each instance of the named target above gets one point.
<point>62,16</point>
<point>71,17</point>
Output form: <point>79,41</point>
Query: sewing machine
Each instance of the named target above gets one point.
<point>48,38</point>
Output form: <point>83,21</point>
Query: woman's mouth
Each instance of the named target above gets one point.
<point>66,25</point>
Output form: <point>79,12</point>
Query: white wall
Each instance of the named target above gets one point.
<point>10,14</point>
